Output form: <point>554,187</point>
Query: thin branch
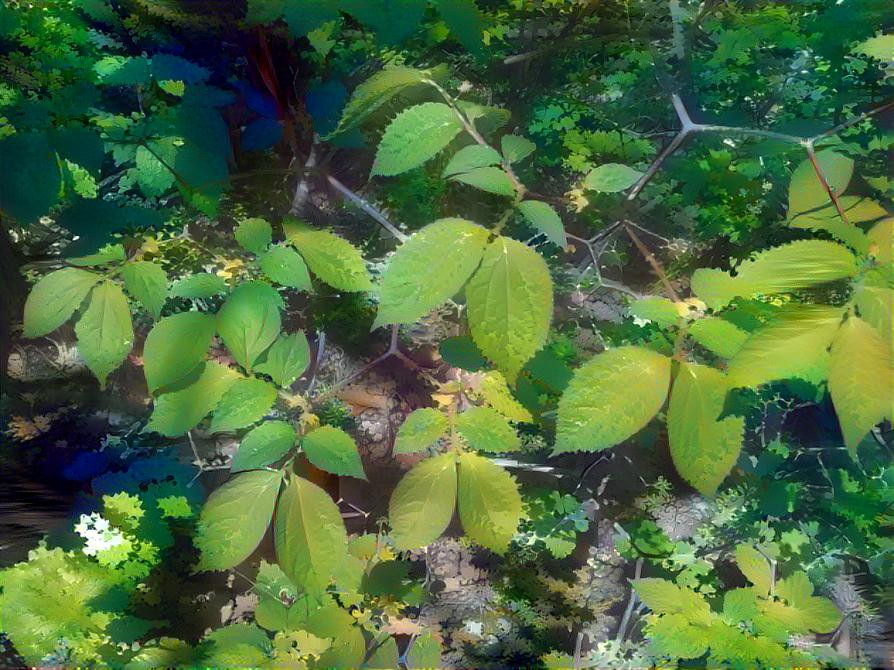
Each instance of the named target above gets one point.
<point>833,196</point>
<point>654,262</point>
<point>855,120</point>
<point>625,621</point>
<point>363,204</point>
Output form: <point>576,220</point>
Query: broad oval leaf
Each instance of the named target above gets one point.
<point>422,503</point>
<point>471,157</point>
<point>610,398</point>
<point>254,235</point>
<point>286,359</point>
<point>55,298</point>
<point>510,304</point>
<point>199,285</point>
<point>660,311</point>
<point>311,540</point>
<point>544,219</point>
<point>861,379</point>
<point>611,178</point>
<point>516,148</point>
<point>105,330</point>
<point>148,283</point>
<point>333,259</point>
<point>245,402</point>
<point>179,410</point>
<point>283,265</point>
<point>235,518</point>
<point>490,506</point>
<point>704,448</point>
<point>174,347</point>
<point>420,430</point>
<point>415,135</point>
<point>806,192</point>
<point>264,445</point>
<point>249,321</point>
<point>429,268</point>
<point>718,336</point>
<point>485,429</point>
<point>424,652</point>
<point>333,450</point>
<point>755,567</point>
<point>490,179</point>
<point>495,392</point>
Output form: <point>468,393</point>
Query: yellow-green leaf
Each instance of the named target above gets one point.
<point>174,347</point>
<point>485,429</point>
<point>420,430</point>
<point>194,396</point>
<point>105,330</point>
<point>55,298</point>
<point>283,265</point>
<point>805,190</point>
<point>718,336</point>
<point>249,321</point>
<point>333,259</point>
<point>263,445</point>
<point>254,235</point>
<point>286,359</point>
<point>148,283</point>
<point>333,450</point>
<point>244,403</point>
<point>544,219</point>
<point>755,567</point>
<point>490,506</point>
<point>415,135</point>
<point>423,502</point>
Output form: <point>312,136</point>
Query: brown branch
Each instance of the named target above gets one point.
<point>651,260</point>
<point>811,154</point>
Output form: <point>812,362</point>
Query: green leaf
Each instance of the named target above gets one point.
<point>200,285</point>
<point>422,503</point>
<point>495,392</point>
<point>283,265</point>
<point>424,653</point>
<point>311,541</point>
<point>510,304</point>
<point>739,605</point>
<point>610,398</point>
<point>880,47</point>
<point>806,192</point>
<point>392,22</point>
<point>875,302</point>
<point>674,636</point>
<point>429,268</point>
<point>174,347</point>
<point>55,298</point>
<point>470,158</point>
<point>264,445</point>
<point>718,336</point>
<point>755,567</point>
<point>611,178</point>
<point>516,148</point>
<point>254,235</point>
<point>703,448</point>
<point>861,379</point>
<point>485,118</point>
<point>490,179</point>
<point>465,22</point>
<point>249,321</point>
<point>105,330</point>
<point>486,429</point>
<point>461,352</point>
<point>415,135</point>
<point>665,597</point>
<point>30,179</point>
<point>857,209</point>
<point>490,506</point>
<point>333,450</point>
<point>148,283</point>
<point>792,345</point>
<point>286,360</point>
<point>819,614</point>
<point>112,253</point>
<point>544,219</point>
<point>331,258</point>
<point>153,176</point>
<point>235,519</point>
<point>656,309</point>
<point>180,410</point>
<point>420,430</point>
<point>385,655</point>
<point>244,403</point>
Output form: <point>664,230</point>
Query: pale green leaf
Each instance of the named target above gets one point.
<point>880,47</point>
<point>490,179</point>
<point>861,379</point>
<point>664,597</point>
<point>544,219</point>
<point>486,429</point>
<point>423,501</point>
<point>153,176</point>
<point>715,287</point>
<point>105,330</point>
<point>174,347</point>
<point>254,235</point>
<point>429,268</point>
<point>249,321</point>
<point>385,655</point>
<point>415,135</point>
<point>148,283</point>
<point>244,403</point>
<point>510,304</point>
<point>200,285</point>
<point>495,392</point>
<point>516,148</point>
<point>310,536</point>
<point>283,265</point>
<point>857,209</point>
<point>55,298</point>
<point>420,430</point>
<point>470,158</point>
<point>611,178</point>
<point>674,636</point>
<point>485,118</point>
<point>333,450</point>
<point>235,518</point>
<point>658,310</point>
<point>610,398</point>
<point>703,448</point>
<point>264,445</point>
<point>718,336</point>
<point>286,359</point>
<point>424,653</point>
<point>333,259</point>
<point>875,303</point>
<point>180,410</point>
<point>110,254</point>
<point>806,192</point>
<point>490,506</point>
<point>739,605</point>
<point>755,567</point>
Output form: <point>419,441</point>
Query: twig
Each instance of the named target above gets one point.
<point>578,646</point>
<point>651,260</point>
<point>364,204</point>
<point>625,621</point>
<point>811,154</point>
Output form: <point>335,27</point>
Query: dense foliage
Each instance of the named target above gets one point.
<point>629,256</point>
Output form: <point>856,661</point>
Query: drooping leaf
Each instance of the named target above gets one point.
<point>516,148</point>
<point>331,258</point>
<point>861,379</point>
<point>874,298</point>
<point>254,235</point>
<point>108,255</point>
<point>718,336</point>
<point>286,359</point>
<point>283,265</point>
<point>415,135</point>
<point>311,541</point>
<point>490,179</point>
<point>610,398</point>
<point>544,219</point>
<point>465,22</point>
<point>199,285</point>
<point>148,283</point>
<point>806,192</point>
<point>180,410</point>
<point>704,448</point>
<point>264,445</point>
<point>235,518</point>
<point>510,304</point>
<point>105,330</point>
<point>333,450</point>
<point>490,506</point>
<point>495,392</point>
<point>471,157</point>
<point>486,429</point>
<point>656,309</point>
<point>420,430</point>
<point>55,298</point>
<point>423,501</point>
<point>611,178</point>
<point>174,347</point>
<point>245,402</point>
<point>461,352</point>
<point>755,567</point>
<point>249,321</point>
<point>429,268</point>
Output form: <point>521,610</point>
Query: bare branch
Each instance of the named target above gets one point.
<point>364,204</point>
